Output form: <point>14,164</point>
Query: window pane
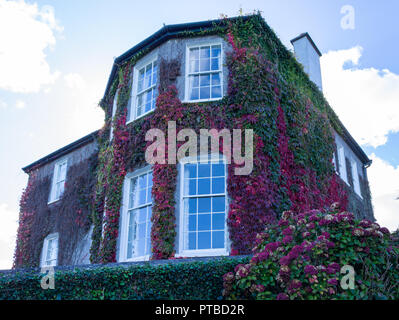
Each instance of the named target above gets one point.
<point>204,222</point>
<point>194,81</point>
<point>204,186</point>
<point>204,205</point>
<point>215,79</point>
<point>205,80</point>
<point>218,170</point>
<point>205,52</point>
<point>141,230</point>
<point>142,197</point>
<point>218,185</point>
<point>148,71</point>
<point>141,247</point>
<point>154,73</point>
<point>194,53</point>
<point>192,222</point>
<point>218,204</point>
<point>192,187</point>
<point>216,92</point>
<point>62,172</point>
<point>204,170</point>
<point>216,51</point>
<point>190,170</point>
<point>194,94</point>
<point>215,64</point>
<point>148,97</point>
<point>192,205</point>
<point>192,241</point>
<point>142,215</point>
<point>148,246</point>
<point>194,66</point>
<point>149,194</point>
<point>204,240</point>
<point>205,93</point>
<point>218,221</point>
<point>218,239</point>
<point>142,181</point>
<point>205,65</point>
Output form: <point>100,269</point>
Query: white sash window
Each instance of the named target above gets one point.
<point>58,183</point>
<point>136,220</point>
<point>203,204</point>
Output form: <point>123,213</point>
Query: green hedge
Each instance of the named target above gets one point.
<point>194,280</point>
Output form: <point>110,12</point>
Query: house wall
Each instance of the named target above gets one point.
<point>73,158</point>
<point>67,216</point>
<point>360,205</point>
<point>176,49</point>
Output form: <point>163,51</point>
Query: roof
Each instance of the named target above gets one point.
<point>62,151</point>
<point>303,35</point>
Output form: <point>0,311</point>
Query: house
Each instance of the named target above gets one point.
<point>98,200</point>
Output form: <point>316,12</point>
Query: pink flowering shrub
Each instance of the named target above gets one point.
<point>302,255</point>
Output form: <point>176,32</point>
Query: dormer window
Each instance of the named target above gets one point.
<point>144,93</point>
<point>58,184</point>
<point>204,75</point>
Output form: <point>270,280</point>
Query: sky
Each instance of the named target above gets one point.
<point>56,56</point>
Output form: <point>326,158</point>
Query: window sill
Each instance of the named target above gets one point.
<point>202,253</point>
<point>202,100</point>
<point>136,259</point>
<point>141,116</point>
<point>53,201</point>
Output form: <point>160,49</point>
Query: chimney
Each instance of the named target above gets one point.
<point>308,55</point>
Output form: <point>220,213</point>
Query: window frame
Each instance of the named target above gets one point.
<point>124,234</point>
<point>150,58</point>
<point>46,241</point>
<point>187,70</point>
<point>52,195</point>
<point>182,252</point>
<point>355,177</point>
<point>342,164</point>
<point>113,113</point>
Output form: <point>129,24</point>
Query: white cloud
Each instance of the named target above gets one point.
<point>75,81</point>
<point>25,33</point>
<point>365,99</point>
<point>20,104</point>
<point>384,185</point>
<point>8,231</point>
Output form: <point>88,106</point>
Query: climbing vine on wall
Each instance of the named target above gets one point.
<point>69,216</point>
<point>293,143</point>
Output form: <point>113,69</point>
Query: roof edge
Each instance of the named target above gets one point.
<point>162,35</point>
<point>62,151</point>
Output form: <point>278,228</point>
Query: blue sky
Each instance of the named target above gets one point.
<point>55,59</point>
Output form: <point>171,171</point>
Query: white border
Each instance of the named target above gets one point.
<point>53,236</point>
<point>52,189</point>
<point>122,257</point>
<point>150,58</point>
<point>186,80</point>
<point>202,252</point>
